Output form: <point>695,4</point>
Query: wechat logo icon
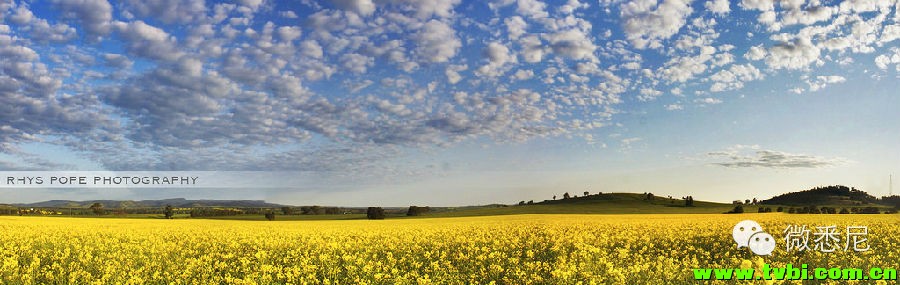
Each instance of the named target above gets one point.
<point>750,234</point>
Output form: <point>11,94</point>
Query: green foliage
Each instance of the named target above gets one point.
<point>417,211</point>
<point>375,213</point>
<point>169,212</point>
<point>737,210</point>
<point>828,195</point>
<point>97,208</point>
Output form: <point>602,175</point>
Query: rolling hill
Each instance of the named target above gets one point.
<point>605,203</point>
<point>836,195</point>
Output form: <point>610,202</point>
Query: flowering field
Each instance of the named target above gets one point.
<point>522,249</point>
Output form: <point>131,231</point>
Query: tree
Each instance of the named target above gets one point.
<point>521,203</point>
<point>870,210</point>
<point>287,210</point>
<point>270,216</point>
<point>586,193</point>
<point>554,197</point>
<point>566,195</point>
<point>747,202</point>
<point>530,202</point>
<point>169,212</point>
<point>780,209</point>
<point>97,208</point>
<point>649,197</point>
<point>417,211</point>
<point>312,210</point>
<point>737,210</point>
<point>375,213</point>
<point>689,201</point>
<point>844,211</point>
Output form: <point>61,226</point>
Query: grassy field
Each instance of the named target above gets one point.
<point>509,249</point>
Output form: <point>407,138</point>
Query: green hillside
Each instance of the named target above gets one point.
<point>838,195</point>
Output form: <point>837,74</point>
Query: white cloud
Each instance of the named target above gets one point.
<point>168,11</point>
<point>755,53</point>
<point>452,73</point>
<point>647,94</point>
<point>797,54</point>
<point>117,60</point>
<point>572,5</point>
<point>498,55</point>
<point>94,15</point>
<point>708,100</point>
<point>674,107</point>
<point>682,69</point>
<point>807,16</point>
<point>523,74</point>
<point>884,60</point>
<point>734,77</point>
<point>647,22</point>
<point>572,43</point>
<point>21,16</point>
<point>821,81</point>
<point>362,7</point>
<point>534,9</point>
<point>436,42</point>
<point>761,5</point>
<point>148,41</point>
<point>720,7</point>
<point>750,157</point>
<point>356,63</point>
<point>515,26</point>
<point>532,49</point>
<point>311,48</point>
<point>288,14</point>
<point>425,9</point>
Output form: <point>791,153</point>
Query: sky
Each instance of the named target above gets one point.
<point>451,102</point>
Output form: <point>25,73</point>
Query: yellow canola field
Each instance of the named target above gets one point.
<point>520,249</point>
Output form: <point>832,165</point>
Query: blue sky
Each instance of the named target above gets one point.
<point>437,102</point>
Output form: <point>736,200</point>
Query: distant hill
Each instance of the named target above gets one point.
<point>828,195</point>
<point>597,203</point>
<point>177,202</point>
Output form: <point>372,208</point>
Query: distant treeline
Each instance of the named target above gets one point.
<point>817,210</point>
<point>823,195</point>
<point>99,209</point>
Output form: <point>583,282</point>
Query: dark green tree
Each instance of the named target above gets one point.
<point>375,213</point>
<point>417,211</point>
<point>97,208</point>
<point>169,212</point>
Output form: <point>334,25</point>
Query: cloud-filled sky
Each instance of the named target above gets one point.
<point>451,102</point>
